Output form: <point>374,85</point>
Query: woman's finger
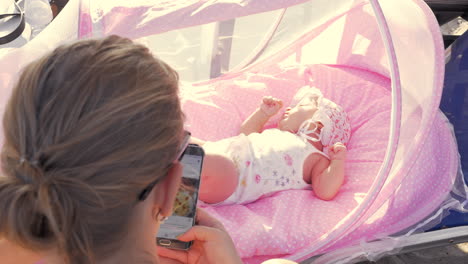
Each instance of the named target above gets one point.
<point>201,233</point>
<point>205,219</point>
<point>178,255</point>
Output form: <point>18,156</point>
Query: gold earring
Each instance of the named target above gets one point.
<point>163,219</point>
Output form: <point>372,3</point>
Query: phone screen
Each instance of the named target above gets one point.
<point>183,216</point>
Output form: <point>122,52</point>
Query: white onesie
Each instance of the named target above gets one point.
<point>267,162</point>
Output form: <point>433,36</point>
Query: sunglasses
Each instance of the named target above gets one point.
<point>185,142</point>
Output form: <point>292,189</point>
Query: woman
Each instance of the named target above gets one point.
<point>89,161</point>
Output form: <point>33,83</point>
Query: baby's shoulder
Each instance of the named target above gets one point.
<point>277,132</point>
<point>315,163</point>
<point>317,158</point>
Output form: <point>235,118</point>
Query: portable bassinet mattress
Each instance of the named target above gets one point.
<point>292,220</point>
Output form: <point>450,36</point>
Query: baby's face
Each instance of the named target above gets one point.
<point>294,117</point>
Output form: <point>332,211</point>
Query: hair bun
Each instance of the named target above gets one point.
<point>29,172</point>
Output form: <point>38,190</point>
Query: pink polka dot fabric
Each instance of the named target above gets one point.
<point>290,220</point>
<point>289,223</point>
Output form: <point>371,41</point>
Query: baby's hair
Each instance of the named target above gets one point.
<point>87,128</point>
<point>305,93</point>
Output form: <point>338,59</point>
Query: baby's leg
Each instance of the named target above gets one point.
<point>219,178</point>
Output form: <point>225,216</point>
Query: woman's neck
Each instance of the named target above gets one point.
<point>139,246</point>
<point>128,254</point>
<point>137,256</point>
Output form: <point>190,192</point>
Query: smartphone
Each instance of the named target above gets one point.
<point>185,205</point>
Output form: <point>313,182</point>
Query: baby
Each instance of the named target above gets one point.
<point>306,150</point>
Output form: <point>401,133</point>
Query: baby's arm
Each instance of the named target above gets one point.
<point>257,120</point>
<point>327,183</point>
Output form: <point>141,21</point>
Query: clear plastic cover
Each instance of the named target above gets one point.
<point>212,42</point>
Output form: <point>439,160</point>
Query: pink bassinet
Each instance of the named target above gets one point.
<point>381,60</point>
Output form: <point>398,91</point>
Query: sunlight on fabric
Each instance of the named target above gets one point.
<point>361,44</point>
<point>359,197</point>
<point>267,228</point>
<point>463,247</point>
<point>380,214</point>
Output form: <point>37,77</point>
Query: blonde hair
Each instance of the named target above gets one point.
<point>87,128</point>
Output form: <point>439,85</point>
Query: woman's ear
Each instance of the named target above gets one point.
<point>167,190</point>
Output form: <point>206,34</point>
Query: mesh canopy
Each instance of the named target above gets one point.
<point>211,41</point>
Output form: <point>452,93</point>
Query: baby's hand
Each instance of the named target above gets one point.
<point>337,151</point>
<point>270,105</point>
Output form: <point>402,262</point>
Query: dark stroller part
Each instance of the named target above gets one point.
<point>447,10</point>
<point>454,104</point>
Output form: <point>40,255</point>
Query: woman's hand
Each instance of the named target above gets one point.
<point>211,244</point>
<point>270,105</point>
<point>338,151</point>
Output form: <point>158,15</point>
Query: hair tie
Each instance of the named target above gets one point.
<point>33,163</point>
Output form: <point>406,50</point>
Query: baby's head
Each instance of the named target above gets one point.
<point>312,114</point>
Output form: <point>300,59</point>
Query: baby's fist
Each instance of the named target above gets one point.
<point>337,151</point>
<point>270,105</point>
